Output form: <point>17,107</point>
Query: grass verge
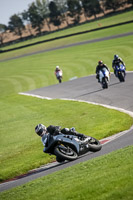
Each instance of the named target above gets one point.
<point>118,18</point>
<point>20,149</point>
<point>88,36</point>
<point>62,42</point>
<point>36,71</point>
<point>97,179</point>
<point>21,114</point>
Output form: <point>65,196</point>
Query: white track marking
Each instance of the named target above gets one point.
<point>82,101</point>
<point>104,140</point>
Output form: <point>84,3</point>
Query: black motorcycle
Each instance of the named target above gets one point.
<point>69,147</point>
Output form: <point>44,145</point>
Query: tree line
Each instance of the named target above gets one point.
<point>56,12</point>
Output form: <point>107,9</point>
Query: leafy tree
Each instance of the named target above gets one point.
<point>55,14</point>
<point>3,29</point>
<point>43,10</point>
<point>25,17</point>
<point>61,4</point>
<point>75,10</point>
<point>36,19</point>
<point>85,5</point>
<point>62,7</point>
<point>112,4</point>
<point>91,7</point>
<point>130,2</point>
<point>16,25</point>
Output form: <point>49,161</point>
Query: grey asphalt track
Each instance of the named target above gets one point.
<point>87,89</point>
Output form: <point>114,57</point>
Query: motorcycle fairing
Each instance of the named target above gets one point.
<point>61,139</point>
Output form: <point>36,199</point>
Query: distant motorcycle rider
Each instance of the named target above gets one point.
<point>57,69</point>
<point>116,62</point>
<point>99,67</point>
<point>57,73</point>
<point>43,132</point>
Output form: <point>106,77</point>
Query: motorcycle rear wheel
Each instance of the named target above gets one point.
<point>65,153</point>
<point>94,145</point>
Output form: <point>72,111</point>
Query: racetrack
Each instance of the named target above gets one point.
<point>87,89</point>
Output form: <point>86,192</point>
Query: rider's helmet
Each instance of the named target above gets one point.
<point>57,67</point>
<point>40,129</point>
<point>116,57</point>
<point>100,62</point>
<point>72,129</point>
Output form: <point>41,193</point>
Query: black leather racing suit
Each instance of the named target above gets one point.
<point>55,130</point>
<point>100,67</point>
<point>116,62</point>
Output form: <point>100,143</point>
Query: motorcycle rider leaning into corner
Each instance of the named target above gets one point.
<point>116,61</point>
<point>99,67</point>
<point>43,132</point>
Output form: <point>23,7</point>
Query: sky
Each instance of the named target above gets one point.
<point>11,7</point>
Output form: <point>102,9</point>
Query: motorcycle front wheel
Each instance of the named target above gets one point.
<point>65,152</point>
<point>94,145</point>
<point>104,83</point>
<point>121,77</point>
<point>59,79</point>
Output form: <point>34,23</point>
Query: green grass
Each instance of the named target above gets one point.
<point>38,70</point>
<point>20,148</point>
<point>97,179</point>
<point>118,18</point>
<point>20,114</point>
<point>70,40</point>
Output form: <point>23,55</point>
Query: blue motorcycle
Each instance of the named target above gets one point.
<point>120,72</point>
<point>69,147</point>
